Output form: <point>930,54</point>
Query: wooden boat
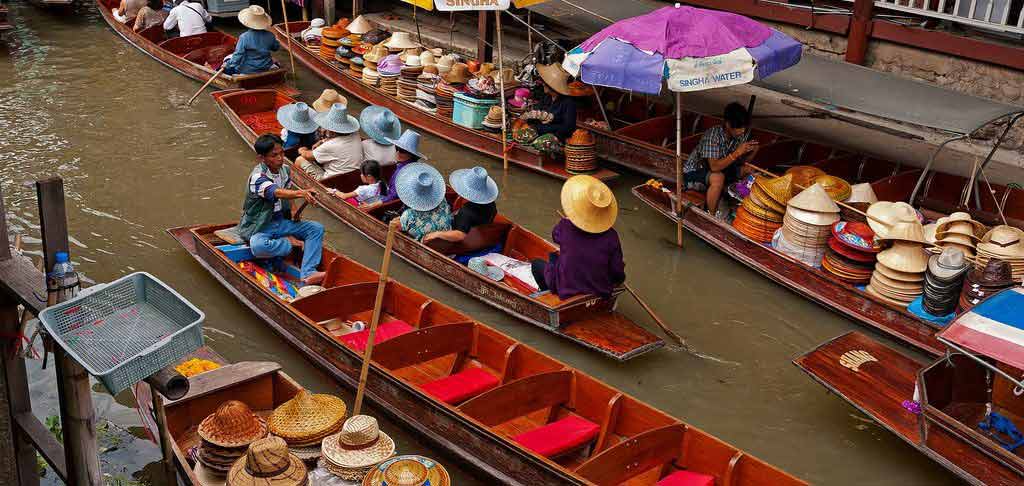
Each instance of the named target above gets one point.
<point>585,319</point>
<point>956,392</point>
<point>192,54</point>
<point>515,414</point>
<point>481,141</point>
<point>5,23</point>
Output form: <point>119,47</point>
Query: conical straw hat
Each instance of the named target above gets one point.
<point>904,257</point>
<point>804,174</point>
<point>589,204</point>
<point>837,189</point>
<point>813,217</point>
<point>761,212</point>
<point>906,231</point>
<point>233,424</point>
<point>780,189</point>
<point>762,199</point>
<point>898,275</point>
<point>814,199</point>
<point>359,26</point>
<point>406,472</point>
<point>307,416</point>
<point>890,213</point>
<point>862,193</point>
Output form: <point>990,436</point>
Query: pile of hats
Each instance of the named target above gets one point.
<point>899,273</point>
<point>267,462</point>
<point>390,69</point>
<point>760,214</point>
<point>351,453</point>
<point>458,74</point>
<point>807,225</point>
<point>862,196</point>
<point>482,87</point>
<point>580,152</point>
<point>803,175</point>
<point>958,231</point>
<point>444,98</point>
<point>850,255</point>
<point>492,122</point>
<point>371,60</point>
<point>838,189</point>
<point>982,283</point>
<point>943,281</point>
<point>407,82</point>
<point>226,434</point>
<point>305,420</point>
<point>1005,243</point>
<point>409,471</point>
<point>426,84</point>
<point>330,40</point>
<point>357,63</point>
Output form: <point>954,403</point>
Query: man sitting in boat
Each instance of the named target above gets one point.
<point>558,106</point>
<point>152,14</point>
<point>128,9</point>
<point>720,156</point>
<point>589,260</point>
<point>339,151</point>
<point>253,51</point>
<point>381,126</point>
<point>407,151</point>
<point>480,191</point>
<point>266,214</point>
<point>190,18</point>
<point>298,128</point>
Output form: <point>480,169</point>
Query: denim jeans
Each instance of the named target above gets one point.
<point>271,241</point>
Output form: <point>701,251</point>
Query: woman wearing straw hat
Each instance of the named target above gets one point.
<point>557,102</point>
<point>480,191</point>
<point>590,257</point>
<point>340,151</point>
<point>253,50</point>
<point>421,189</point>
<point>381,126</point>
<point>298,128</point>
<point>407,151</point>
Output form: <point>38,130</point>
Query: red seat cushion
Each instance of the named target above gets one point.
<point>385,331</point>
<point>465,384</point>
<point>687,478</point>
<point>560,436</point>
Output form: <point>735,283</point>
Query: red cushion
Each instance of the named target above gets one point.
<point>385,331</point>
<point>560,436</point>
<point>687,478</point>
<point>465,384</point>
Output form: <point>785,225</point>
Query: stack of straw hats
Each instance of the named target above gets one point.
<point>389,68</point>
<point>371,60</point>
<point>862,196</point>
<point>807,225</point>
<point>268,463</point>
<point>580,152</point>
<point>426,83</point>
<point>899,273</point>
<point>760,215</point>
<point>883,215</point>
<point>943,281</point>
<point>226,434</point>
<point>305,420</point>
<point>407,81</point>
<point>982,283</point>
<point>838,189</point>
<point>803,175</point>
<point>492,122</point>
<point>1005,243</point>
<point>408,471</point>
<point>330,41</point>
<point>353,452</point>
<point>851,251</point>
<point>958,231</point>
<point>444,98</point>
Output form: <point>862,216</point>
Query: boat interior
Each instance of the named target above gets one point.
<point>519,394</point>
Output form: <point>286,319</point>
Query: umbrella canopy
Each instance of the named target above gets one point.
<point>694,48</point>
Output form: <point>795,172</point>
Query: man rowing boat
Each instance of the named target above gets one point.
<point>719,157</point>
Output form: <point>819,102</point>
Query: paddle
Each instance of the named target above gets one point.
<point>218,73</point>
<point>377,304</point>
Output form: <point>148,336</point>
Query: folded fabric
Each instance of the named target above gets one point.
<point>517,269</point>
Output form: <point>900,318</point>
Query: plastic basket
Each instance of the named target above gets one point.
<point>470,112</point>
<point>126,330</point>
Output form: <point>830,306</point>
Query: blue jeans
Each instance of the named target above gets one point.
<point>271,241</point>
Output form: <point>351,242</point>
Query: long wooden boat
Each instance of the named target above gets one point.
<point>585,319</point>
<point>479,140</point>
<point>189,55</point>
<point>515,414</point>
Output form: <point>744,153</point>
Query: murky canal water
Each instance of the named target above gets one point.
<point>80,103</point>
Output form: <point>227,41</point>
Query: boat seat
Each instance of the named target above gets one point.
<point>385,331</point>
<point>559,437</point>
<point>461,386</point>
<point>230,235</point>
<point>687,478</point>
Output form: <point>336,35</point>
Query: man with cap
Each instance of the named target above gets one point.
<point>589,260</point>
<point>340,151</point>
<point>719,157</point>
<point>255,46</point>
<point>298,126</point>
<point>382,126</point>
<point>480,191</point>
<point>407,151</point>
<point>266,213</point>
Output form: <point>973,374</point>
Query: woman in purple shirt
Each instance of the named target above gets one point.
<point>407,151</point>
<point>589,260</point>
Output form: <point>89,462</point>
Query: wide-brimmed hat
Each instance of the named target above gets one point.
<point>956,238</point>
<point>778,189</point>
<point>338,120</point>
<point>254,17</point>
<point>409,142</point>
<point>233,424</point>
<point>995,273</point>
<point>420,186</point>
<point>957,222</point>
<point>474,185</point>
<point>905,231</point>
<point>400,471</point>
<point>889,213</point>
<point>855,235</point>
<point>427,58</point>
<point>406,472</point>
<point>1004,240</point>
<point>360,444</point>
<point>268,463</point>
<point>359,26</point>
<point>804,174</point>
<point>862,193</point>
<point>948,264</point>
<point>445,63</point>
<point>458,74</point>
<point>838,189</point>
<point>904,257</point>
<point>812,218</point>
<point>401,40</point>
<point>380,124</point>
<point>814,199</point>
<point>297,118</point>
<point>327,99</point>
<point>589,204</point>
<point>307,417</point>
<point>555,77</point>
<point>376,53</point>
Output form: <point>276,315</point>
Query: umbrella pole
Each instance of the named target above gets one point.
<point>501,95</point>
<point>291,40</point>
<point>679,169</point>
<point>378,305</point>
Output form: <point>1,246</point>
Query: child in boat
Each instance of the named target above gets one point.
<point>480,191</point>
<point>298,128</point>
<point>371,190</point>
<point>590,257</point>
<point>253,50</point>
<point>719,157</point>
<point>421,188</point>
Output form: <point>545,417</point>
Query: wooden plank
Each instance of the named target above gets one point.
<point>5,242</point>
<point>53,219</point>
<point>17,393</point>
<point>45,442</point>
<point>424,345</point>
<point>226,376</point>
<point>520,397</point>
<point>634,456</point>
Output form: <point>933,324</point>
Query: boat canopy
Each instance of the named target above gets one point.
<point>993,328</point>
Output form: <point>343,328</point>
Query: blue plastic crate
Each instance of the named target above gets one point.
<point>469,111</point>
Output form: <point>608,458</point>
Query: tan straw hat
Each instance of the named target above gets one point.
<point>779,189</point>
<point>233,424</point>
<point>254,17</point>
<point>555,77</point>
<point>804,174</point>
<point>207,476</point>
<point>360,444</point>
<point>359,26</point>
<point>898,275</point>
<point>904,257</point>
<point>1005,241</point>
<point>400,40</point>
<point>960,222</point>
<point>838,189</point>
<point>814,199</point>
<point>408,471</point>
<point>906,231</point>
<point>812,217</point>
<point>890,213</point>
<point>589,204</point>
<point>327,99</point>
<point>307,417</point>
<point>457,74</point>
<point>268,463</point>
<point>957,238</point>
<point>862,193</point>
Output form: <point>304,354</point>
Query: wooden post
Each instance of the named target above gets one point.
<point>679,170</point>
<point>18,401</point>
<point>78,420</point>
<point>166,447</point>
<point>484,37</point>
<point>501,94</point>
<point>860,31</point>
<point>378,304</point>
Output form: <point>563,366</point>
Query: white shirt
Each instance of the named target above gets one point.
<point>340,154</point>
<point>384,154</point>
<point>368,193</point>
<point>189,17</point>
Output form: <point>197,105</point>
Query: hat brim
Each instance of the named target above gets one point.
<point>366,118</point>
<point>350,125</point>
<point>255,22</point>
<point>459,180</point>
<point>294,475</point>
<point>549,74</point>
<point>581,212</point>
<point>397,143</point>
<point>407,180</point>
<point>380,451</point>
<point>284,117</point>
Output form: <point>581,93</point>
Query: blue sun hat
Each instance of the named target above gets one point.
<point>410,142</point>
<point>420,186</point>
<point>297,118</point>
<point>337,120</point>
<point>474,185</point>
<point>380,124</point>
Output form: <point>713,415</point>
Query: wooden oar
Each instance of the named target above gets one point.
<point>657,320</point>
<point>840,203</point>
<point>218,73</point>
<point>377,304</point>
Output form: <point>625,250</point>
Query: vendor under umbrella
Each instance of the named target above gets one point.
<point>558,106</point>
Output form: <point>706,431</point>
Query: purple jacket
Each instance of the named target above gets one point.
<point>586,263</point>
<point>393,183</point>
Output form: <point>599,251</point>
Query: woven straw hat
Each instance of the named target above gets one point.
<point>233,424</point>
<point>812,217</point>
<point>898,275</point>
<point>815,199</point>
<point>1004,240</point>
<point>906,231</point>
<point>360,444</point>
<point>838,189</point>
<point>929,233</point>
<point>760,212</point>
<point>862,193</point>
<point>268,463</point>
<point>399,40</point>
<point>328,99</point>
<point>589,204</point>
<point>897,286</point>
<point>804,174</point>
<point>763,199</point>
<point>890,213</point>
<point>359,26</point>
<point>207,476</point>
<point>959,222</point>
<point>403,471</point>
<point>307,417</point>
<point>958,238</point>
<point>254,17</point>
<point>904,256</point>
<point>780,189</point>
<point>406,472</point>
<point>555,77</point>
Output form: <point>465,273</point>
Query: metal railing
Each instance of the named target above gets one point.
<point>997,15</point>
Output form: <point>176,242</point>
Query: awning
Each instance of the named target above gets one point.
<point>993,328</point>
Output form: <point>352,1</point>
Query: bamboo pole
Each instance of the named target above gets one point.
<point>291,41</point>
<point>679,169</point>
<point>501,94</point>
<point>377,310</point>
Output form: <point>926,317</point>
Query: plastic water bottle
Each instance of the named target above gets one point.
<point>63,279</point>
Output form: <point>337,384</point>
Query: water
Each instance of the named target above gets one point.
<point>81,103</point>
